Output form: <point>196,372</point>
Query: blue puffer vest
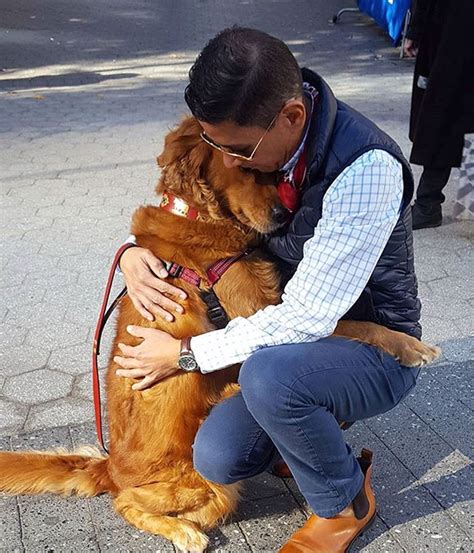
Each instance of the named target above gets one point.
<point>338,135</point>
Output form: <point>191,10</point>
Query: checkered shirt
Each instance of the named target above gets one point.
<point>360,210</point>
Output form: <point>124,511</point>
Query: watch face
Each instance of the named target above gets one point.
<point>187,363</point>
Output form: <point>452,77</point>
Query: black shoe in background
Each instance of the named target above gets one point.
<point>426,217</point>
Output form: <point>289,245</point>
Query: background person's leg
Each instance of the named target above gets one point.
<point>299,392</point>
<point>230,445</point>
<point>427,211</point>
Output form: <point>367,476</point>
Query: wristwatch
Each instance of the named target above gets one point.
<point>187,362</point>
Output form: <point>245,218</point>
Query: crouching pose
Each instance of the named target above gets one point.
<point>348,252</point>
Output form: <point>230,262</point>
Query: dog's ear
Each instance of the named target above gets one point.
<point>185,162</point>
<point>184,141</point>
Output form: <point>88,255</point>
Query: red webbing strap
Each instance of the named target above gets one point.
<point>216,270</point>
<point>214,273</point>
<point>188,275</point>
<point>103,316</point>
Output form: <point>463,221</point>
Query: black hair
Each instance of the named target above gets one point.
<point>244,76</point>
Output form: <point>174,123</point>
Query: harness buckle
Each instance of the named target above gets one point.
<point>175,270</point>
<point>217,315</point>
<point>215,312</point>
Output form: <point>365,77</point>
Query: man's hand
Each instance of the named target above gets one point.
<point>152,360</point>
<point>143,272</point>
<point>410,49</point>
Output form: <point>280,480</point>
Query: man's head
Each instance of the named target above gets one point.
<point>245,88</point>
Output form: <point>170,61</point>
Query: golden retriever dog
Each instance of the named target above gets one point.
<point>149,470</point>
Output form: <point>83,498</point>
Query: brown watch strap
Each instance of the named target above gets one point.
<point>185,345</point>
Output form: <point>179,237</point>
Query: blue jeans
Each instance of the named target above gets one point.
<point>292,398</point>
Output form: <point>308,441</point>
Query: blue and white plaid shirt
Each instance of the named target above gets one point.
<point>360,210</point>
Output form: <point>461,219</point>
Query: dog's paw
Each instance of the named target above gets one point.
<point>191,541</point>
<point>230,390</point>
<point>418,354</point>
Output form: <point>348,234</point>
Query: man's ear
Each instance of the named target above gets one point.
<point>180,141</point>
<point>294,113</point>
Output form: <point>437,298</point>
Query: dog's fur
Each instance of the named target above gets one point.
<point>149,471</point>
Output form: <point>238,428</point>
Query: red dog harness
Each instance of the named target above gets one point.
<point>215,311</point>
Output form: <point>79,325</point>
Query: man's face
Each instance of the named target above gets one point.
<point>276,147</point>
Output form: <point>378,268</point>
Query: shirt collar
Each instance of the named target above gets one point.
<point>310,93</point>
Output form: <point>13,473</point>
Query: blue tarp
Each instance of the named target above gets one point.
<point>389,14</point>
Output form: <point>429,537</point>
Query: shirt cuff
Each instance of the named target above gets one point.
<point>202,347</point>
<point>130,240</point>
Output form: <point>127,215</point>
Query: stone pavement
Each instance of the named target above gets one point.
<point>87,92</point>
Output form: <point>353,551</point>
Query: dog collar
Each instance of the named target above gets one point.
<point>177,206</point>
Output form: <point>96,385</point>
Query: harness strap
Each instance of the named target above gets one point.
<point>213,274</point>
<point>216,270</point>
<point>188,275</point>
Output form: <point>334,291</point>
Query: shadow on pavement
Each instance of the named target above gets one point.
<point>79,78</point>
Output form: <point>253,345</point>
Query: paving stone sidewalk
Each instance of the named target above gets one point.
<point>87,92</point>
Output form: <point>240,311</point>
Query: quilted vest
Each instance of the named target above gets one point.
<point>338,135</point>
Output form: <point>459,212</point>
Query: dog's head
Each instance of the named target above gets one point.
<point>195,172</point>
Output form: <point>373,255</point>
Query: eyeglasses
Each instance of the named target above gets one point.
<point>230,152</point>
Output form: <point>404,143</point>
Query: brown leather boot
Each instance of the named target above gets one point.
<point>337,534</point>
<point>281,469</point>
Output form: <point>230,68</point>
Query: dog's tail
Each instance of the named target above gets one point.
<point>83,472</point>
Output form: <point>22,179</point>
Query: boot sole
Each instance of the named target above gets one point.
<point>427,225</point>
<point>364,529</point>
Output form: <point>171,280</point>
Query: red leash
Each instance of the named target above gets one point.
<point>103,316</point>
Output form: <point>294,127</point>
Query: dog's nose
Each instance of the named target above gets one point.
<point>279,214</point>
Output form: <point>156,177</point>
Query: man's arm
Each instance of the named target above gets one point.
<point>360,210</point>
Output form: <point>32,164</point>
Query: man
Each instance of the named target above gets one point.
<point>349,249</point>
